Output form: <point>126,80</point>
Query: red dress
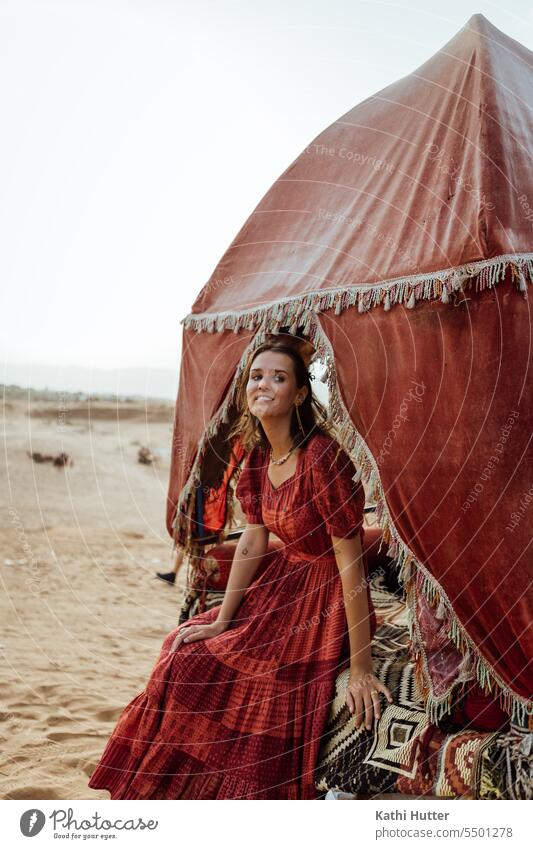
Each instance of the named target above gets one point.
<point>241,715</point>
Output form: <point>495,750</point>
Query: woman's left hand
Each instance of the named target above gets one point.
<point>189,632</point>
<point>362,696</point>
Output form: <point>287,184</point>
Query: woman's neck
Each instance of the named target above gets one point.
<point>279,437</point>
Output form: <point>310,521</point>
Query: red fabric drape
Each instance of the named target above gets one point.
<point>208,365</point>
<point>442,400</point>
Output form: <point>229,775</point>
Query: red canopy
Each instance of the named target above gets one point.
<point>400,244</point>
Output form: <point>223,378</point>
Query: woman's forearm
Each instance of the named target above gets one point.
<point>349,555</point>
<point>251,549</point>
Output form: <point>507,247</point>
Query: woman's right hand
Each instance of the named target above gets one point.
<point>189,632</point>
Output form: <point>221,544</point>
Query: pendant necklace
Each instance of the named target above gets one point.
<point>282,459</point>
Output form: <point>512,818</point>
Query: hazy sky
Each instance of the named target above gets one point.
<point>137,136</point>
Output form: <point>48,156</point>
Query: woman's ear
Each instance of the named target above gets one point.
<point>303,394</point>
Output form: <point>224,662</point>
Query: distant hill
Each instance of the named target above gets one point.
<point>81,383</point>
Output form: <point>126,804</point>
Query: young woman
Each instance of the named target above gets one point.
<point>238,700</point>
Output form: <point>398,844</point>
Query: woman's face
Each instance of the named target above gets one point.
<point>271,390</point>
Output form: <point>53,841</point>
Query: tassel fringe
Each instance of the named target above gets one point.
<point>517,749</point>
<point>438,285</point>
<point>519,709</point>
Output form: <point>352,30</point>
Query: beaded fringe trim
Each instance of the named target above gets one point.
<point>407,565</point>
<point>519,709</point>
<point>182,521</point>
<point>443,285</point>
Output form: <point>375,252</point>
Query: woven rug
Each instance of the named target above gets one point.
<point>404,752</point>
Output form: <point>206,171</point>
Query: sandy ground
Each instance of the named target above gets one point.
<point>82,614</point>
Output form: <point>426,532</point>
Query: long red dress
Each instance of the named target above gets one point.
<point>241,715</point>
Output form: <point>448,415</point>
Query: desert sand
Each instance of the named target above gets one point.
<point>82,614</point>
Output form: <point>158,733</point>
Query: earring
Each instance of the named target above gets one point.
<point>299,419</point>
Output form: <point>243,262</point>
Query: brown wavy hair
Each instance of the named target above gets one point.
<point>313,413</point>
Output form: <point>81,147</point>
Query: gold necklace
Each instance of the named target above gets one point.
<point>282,459</point>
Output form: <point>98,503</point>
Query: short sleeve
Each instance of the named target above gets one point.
<point>339,500</point>
<point>249,487</point>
